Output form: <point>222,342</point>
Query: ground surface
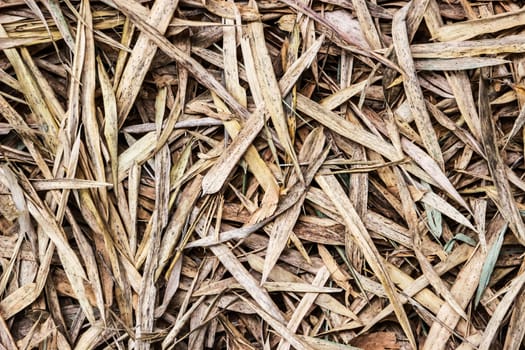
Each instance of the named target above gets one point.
<point>265,175</point>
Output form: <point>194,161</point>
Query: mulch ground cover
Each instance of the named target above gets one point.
<point>274,174</point>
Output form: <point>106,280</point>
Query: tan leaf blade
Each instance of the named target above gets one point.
<point>412,87</point>
<point>362,238</point>
<point>282,227</point>
<point>506,202</point>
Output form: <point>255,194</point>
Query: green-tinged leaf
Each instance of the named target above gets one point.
<point>488,266</point>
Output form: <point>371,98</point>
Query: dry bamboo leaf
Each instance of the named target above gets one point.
<point>18,300</point>
<point>506,202</point>
<point>361,237</point>
<point>292,287</point>
<point>457,64</point>
<point>463,289</point>
<point>89,117</point>
<point>71,184</point>
<point>340,276</point>
<point>148,291</point>
<point>438,203</point>
<point>367,24</point>
<point>107,245</point>
<point>110,121</point>
<point>304,305</point>
<point>261,172</point>
<point>124,195</point>
<point>355,46</point>
<point>377,341</point>
<point>214,179</point>
<point>140,59</point>
<point>515,331</point>
<point>90,262</point>
<point>89,337</point>
<point>501,310</point>
<point>6,275</point>
<point>416,288</point>
<point>38,333</point>
<point>9,43</point>
<point>255,163</point>
<point>412,87</point>
<point>227,10</point>
<point>333,101</point>
<point>283,331</point>
<point>33,94</point>
<point>294,194</point>
<point>231,66</point>
<point>54,9</point>
<point>433,170</point>
<point>357,134</point>
<point>342,19</point>
<point>72,265</point>
<point>20,204</point>
<point>410,215</point>
<point>270,91</point>
<point>345,128</point>
<point>171,237</point>
<point>50,98</point>
<point>230,262</point>
<point>311,153</point>
<point>469,29</point>
<point>196,69</point>
<point>295,70</point>
<point>5,335</point>
<point>138,153</point>
<point>464,49</point>
<point>280,274</point>
<point>488,267</point>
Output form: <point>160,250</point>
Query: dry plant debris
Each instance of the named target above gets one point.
<point>274,174</point>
